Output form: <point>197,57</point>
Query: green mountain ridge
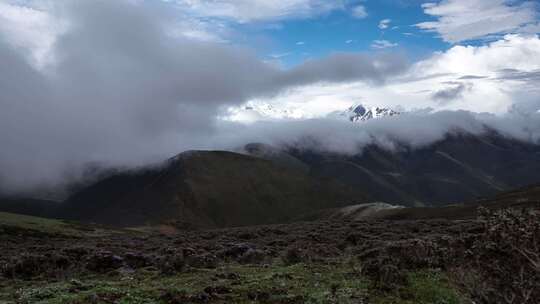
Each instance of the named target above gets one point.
<point>267,184</point>
<point>206,189</point>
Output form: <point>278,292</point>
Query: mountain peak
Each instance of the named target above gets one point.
<point>359,112</point>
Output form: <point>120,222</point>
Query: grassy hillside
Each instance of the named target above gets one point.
<point>207,189</point>
<point>10,220</point>
<point>336,260</point>
<point>301,283</point>
<point>296,263</point>
<point>399,262</point>
<point>12,223</point>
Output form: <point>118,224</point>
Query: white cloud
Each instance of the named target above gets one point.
<point>122,90</point>
<point>383,44</point>
<point>511,52</point>
<point>461,20</point>
<point>359,12</point>
<point>300,43</point>
<point>34,26</point>
<point>300,103</point>
<point>259,10</point>
<point>29,29</point>
<point>349,41</point>
<point>98,109</point>
<point>279,55</point>
<point>488,78</point>
<point>197,29</point>
<point>481,78</point>
<point>384,24</point>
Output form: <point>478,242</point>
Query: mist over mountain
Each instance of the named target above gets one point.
<point>138,94</point>
<point>113,85</point>
<point>276,184</point>
<point>269,151</point>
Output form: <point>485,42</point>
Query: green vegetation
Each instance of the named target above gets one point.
<point>44,226</point>
<point>36,223</point>
<point>238,284</point>
<point>300,283</point>
<point>423,287</point>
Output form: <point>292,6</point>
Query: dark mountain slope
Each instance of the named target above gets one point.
<point>208,189</point>
<point>458,168</point>
<point>29,206</point>
<point>526,197</point>
<point>522,198</point>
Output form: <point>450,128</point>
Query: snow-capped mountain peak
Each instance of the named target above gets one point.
<point>260,111</point>
<point>359,113</point>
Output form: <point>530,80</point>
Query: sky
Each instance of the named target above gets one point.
<point>131,82</point>
<point>350,27</point>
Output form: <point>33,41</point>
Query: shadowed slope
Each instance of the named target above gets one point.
<point>458,168</point>
<point>29,206</point>
<point>523,198</point>
<point>208,189</point>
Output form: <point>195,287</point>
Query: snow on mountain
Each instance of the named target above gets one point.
<point>360,113</point>
<point>276,112</point>
<point>257,111</point>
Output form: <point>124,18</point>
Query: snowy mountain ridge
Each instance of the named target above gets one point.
<point>360,113</point>
<point>252,112</point>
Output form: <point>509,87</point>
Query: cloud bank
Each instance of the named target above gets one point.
<point>114,85</point>
<point>414,129</point>
<point>461,20</point>
<point>487,78</point>
<point>118,88</point>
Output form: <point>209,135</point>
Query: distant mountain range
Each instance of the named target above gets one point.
<point>264,111</point>
<point>458,168</point>
<point>360,113</point>
<point>269,184</point>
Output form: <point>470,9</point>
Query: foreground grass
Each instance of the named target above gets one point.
<point>44,226</point>
<point>36,223</point>
<point>423,287</point>
<point>300,283</point>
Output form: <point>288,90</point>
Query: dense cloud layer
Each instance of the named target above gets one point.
<point>460,20</point>
<point>485,78</point>
<point>413,129</point>
<point>453,91</point>
<point>118,89</point>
